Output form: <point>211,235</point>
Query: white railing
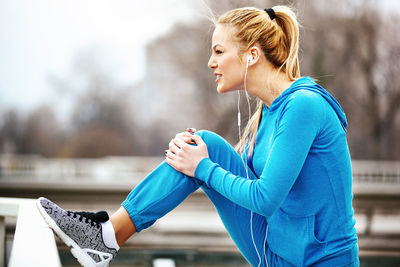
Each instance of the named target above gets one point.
<point>376,171</point>
<point>103,169</point>
<point>34,243</point>
<point>112,168</point>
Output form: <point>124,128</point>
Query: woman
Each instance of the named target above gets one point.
<point>287,200</point>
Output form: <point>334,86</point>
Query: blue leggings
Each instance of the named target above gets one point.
<point>165,188</point>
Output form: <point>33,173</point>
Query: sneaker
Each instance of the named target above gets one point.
<point>80,230</point>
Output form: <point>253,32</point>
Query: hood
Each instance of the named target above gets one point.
<point>307,83</point>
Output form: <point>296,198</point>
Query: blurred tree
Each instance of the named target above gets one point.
<point>102,121</point>
<point>182,87</point>
<point>350,48</point>
<point>10,132</point>
<point>379,102</point>
<point>356,55</point>
<point>41,133</point>
<point>344,45</point>
<point>185,90</point>
<point>96,141</point>
<point>102,125</point>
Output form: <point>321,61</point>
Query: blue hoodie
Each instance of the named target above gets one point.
<point>301,177</point>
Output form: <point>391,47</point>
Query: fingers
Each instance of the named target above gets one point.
<point>170,155</point>
<point>181,139</point>
<point>177,144</point>
<point>174,154</point>
<point>185,136</point>
<point>183,156</point>
<point>182,134</point>
<point>197,139</point>
<point>170,161</point>
<point>173,147</point>
<point>191,130</point>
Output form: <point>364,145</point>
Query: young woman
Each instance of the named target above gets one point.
<point>286,200</point>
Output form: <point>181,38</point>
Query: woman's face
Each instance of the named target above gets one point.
<point>225,60</point>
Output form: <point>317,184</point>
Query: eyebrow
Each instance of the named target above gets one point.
<point>213,48</point>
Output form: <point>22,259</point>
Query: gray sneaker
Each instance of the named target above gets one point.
<point>80,230</point>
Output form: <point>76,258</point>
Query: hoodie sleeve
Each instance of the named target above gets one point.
<point>296,128</point>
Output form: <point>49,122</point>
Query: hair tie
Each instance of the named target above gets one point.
<point>270,12</point>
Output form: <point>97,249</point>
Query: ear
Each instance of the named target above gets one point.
<point>254,55</point>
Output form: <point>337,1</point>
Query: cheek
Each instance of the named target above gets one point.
<point>231,66</point>
<point>236,73</point>
<point>233,74</point>
<point>233,80</point>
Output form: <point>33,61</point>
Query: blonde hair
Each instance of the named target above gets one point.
<point>278,38</point>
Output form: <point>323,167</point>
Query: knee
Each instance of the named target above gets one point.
<point>210,138</point>
<point>214,141</point>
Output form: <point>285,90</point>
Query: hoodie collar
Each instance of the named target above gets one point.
<point>307,83</point>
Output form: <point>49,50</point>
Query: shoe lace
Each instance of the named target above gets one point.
<point>94,218</point>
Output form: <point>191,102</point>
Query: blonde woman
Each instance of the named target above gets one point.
<point>285,194</point>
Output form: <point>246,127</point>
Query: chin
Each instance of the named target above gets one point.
<point>222,89</point>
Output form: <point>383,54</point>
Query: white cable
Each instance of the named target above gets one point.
<point>239,117</point>
<point>240,135</point>
<point>245,165</point>
<point>252,238</point>
<point>245,90</point>
<point>265,240</point>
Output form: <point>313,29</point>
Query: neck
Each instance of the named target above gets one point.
<point>264,83</point>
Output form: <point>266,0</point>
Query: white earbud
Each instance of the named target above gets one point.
<point>249,59</point>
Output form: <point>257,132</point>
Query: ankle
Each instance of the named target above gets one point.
<point>117,232</point>
<point>123,225</point>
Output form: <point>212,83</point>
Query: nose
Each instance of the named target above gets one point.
<point>211,63</point>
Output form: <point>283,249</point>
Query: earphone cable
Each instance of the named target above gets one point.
<point>245,156</point>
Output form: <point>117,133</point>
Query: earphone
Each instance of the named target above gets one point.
<point>250,60</point>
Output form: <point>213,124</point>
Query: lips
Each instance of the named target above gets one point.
<point>218,77</point>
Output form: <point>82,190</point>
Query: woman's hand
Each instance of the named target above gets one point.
<point>183,156</point>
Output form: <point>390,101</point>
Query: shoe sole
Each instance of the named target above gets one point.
<point>84,259</point>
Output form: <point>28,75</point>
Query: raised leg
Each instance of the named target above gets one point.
<point>165,188</point>
<point>159,193</point>
<point>247,229</point>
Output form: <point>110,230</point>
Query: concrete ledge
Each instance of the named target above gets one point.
<point>34,243</point>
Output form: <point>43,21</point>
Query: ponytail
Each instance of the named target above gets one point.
<point>278,37</point>
<point>287,21</point>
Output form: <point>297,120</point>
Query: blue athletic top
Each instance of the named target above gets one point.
<point>301,176</point>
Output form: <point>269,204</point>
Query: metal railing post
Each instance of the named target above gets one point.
<point>34,243</point>
<point>2,241</point>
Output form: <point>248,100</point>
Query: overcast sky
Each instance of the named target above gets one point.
<point>40,38</point>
